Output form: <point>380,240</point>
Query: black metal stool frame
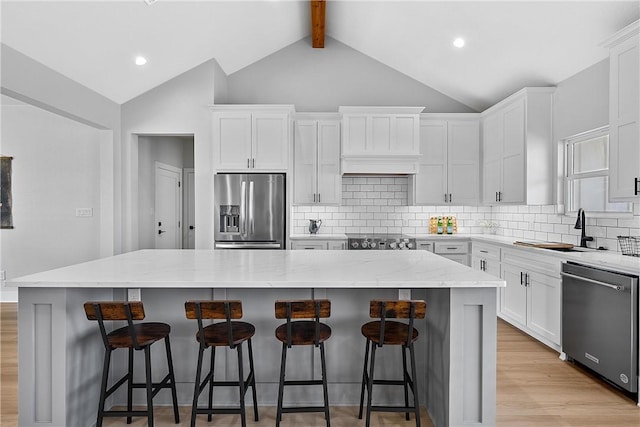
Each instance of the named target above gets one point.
<point>152,388</point>
<point>323,381</point>
<point>243,385</point>
<point>408,381</point>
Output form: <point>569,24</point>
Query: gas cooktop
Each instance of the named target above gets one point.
<point>380,241</point>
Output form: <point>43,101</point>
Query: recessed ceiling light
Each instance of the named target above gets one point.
<point>459,42</point>
<point>141,60</point>
<point>150,2</point>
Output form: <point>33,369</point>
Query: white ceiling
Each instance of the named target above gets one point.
<point>510,44</point>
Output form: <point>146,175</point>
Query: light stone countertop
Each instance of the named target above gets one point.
<point>264,269</point>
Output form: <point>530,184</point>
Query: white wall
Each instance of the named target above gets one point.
<point>175,151</point>
<point>324,79</point>
<point>177,107</point>
<point>56,169</point>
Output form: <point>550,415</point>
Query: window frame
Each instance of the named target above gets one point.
<point>569,177</point>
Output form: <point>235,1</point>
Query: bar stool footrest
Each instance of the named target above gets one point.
<point>125,414</point>
<point>393,408</point>
<point>303,382</point>
<point>213,411</point>
<point>295,409</point>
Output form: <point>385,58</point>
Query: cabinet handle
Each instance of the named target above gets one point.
<point>521,278</point>
<point>482,266</point>
<point>248,164</point>
<point>483,251</point>
<point>496,196</point>
<point>445,198</point>
<point>318,197</point>
<point>450,198</point>
<point>499,196</point>
<point>253,163</point>
<point>526,279</point>
<point>314,197</point>
<point>635,187</point>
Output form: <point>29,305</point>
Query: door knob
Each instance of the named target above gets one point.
<point>161,231</point>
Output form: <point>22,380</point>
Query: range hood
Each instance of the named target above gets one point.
<point>380,140</point>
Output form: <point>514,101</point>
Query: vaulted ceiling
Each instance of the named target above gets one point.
<point>509,44</point>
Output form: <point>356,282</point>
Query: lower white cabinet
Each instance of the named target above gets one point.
<point>456,250</point>
<point>486,257</point>
<point>315,244</point>
<point>532,298</point>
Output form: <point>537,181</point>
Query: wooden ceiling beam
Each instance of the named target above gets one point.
<point>317,23</point>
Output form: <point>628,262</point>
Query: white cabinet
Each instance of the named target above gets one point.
<point>517,149</point>
<point>380,139</point>
<point>423,245</point>
<point>532,298</point>
<point>251,137</point>
<point>449,167</point>
<point>486,257</point>
<point>455,249</point>
<point>315,244</point>
<point>624,114</point>
<point>317,178</point>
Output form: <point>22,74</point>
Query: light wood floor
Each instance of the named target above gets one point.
<point>534,388</point>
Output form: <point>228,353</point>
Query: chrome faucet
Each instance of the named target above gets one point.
<point>581,224</point>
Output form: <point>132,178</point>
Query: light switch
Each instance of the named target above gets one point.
<point>84,212</point>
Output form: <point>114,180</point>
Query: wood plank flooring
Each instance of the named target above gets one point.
<point>534,388</point>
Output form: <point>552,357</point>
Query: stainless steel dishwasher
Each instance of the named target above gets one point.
<point>600,322</point>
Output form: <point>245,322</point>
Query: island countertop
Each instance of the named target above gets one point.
<point>264,269</point>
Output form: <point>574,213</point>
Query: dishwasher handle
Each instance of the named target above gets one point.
<point>596,282</point>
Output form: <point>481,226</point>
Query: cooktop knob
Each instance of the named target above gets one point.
<point>355,245</point>
<point>392,245</point>
<point>365,244</point>
<point>409,245</point>
<point>373,245</point>
<point>401,245</point>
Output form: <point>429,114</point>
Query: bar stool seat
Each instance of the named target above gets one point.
<point>389,332</point>
<point>134,336</point>
<point>226,333</point>
<point>299,333</point>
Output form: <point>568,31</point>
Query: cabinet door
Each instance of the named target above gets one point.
<point>491,157</point>
<point>624,114</point>
<point>513,302</point>
<point>513,154</point>
<point>232,139</point>
<point>463,156</point>
<point>405,135</point>
<point>379,141</point>
<point>354,139</point>
<point>462,259</point>
<point>543,306</point>
<point>328,169</point>
<point>430,183</point>
<point>337,245</point>
<point>305,152</point>
<point>270,139</point>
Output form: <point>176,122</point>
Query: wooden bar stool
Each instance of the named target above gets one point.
<point>303,332</point>
<point>138,336</point>
<point>230,333</point>
<point>383,332</point>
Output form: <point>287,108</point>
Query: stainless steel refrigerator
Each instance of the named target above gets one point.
<point>249,211</point>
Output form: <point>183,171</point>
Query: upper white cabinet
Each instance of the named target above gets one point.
<point>624,114</point>
<point>251,137</point>
<point>317,178</point>
<point>449,167</point>
<point>517,161</point>
<point>380,139</point>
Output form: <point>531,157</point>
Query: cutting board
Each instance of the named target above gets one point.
<point>544,245</point>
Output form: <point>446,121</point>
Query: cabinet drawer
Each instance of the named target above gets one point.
<point>318,245</point>
<point>452,247</point>
<point>486,251</point>
<point>424,246</point>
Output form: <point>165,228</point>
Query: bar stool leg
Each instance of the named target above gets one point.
<point>365,381</point>
<point>196,391</point>
<point>174,394</point>
<point>405,381</point>
<point>324,385</point>
<point>281,386</point>
<point>211,375</point>
<point>370,383</point>
<point>130,385</point>
<point>147,361</point>
<point>253,381</point>
<point>103,387</point>
<point>243,416</point>
<point>415,388</point>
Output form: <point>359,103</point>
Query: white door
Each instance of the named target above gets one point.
<point>189,232</point>
<point>168,207</point>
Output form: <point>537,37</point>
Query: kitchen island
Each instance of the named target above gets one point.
<point>61,352</point>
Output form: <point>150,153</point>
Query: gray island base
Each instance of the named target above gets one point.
<point>61,353</point>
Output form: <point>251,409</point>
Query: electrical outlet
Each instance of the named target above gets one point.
<point>404,294</point>
<point>84,212</point>
<point>133,295</point>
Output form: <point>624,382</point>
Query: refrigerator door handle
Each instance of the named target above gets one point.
<point>251,208</point>
<point>243,208</point>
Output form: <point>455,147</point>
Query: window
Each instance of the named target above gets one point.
<point>587,178</point>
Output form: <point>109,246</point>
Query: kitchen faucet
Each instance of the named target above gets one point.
<point>582,225</point>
